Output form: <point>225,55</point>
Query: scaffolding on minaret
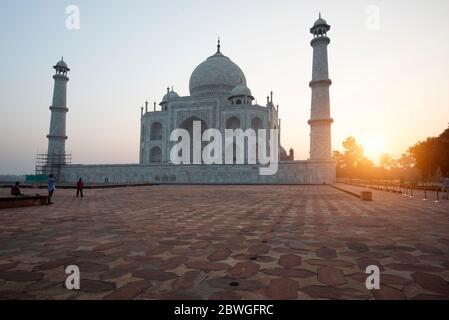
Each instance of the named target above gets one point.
<point>47,164</point>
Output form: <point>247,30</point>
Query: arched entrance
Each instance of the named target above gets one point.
<point>156,131</point>
<point>188,125</point>
<point>155,155</point>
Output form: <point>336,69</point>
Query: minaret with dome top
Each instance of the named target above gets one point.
<point>320,121</point>
<point>56,153</point>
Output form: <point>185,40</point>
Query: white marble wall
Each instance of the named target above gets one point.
<point>294,172</point>
<point>213,111</point>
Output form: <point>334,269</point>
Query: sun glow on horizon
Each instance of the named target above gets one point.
<point>374,146</point>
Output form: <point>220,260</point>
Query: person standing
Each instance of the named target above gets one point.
<point>445,188</point>
<point>79,188</point>
<point>51,187</point>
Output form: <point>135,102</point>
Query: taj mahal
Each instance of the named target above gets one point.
<point>220,98</point>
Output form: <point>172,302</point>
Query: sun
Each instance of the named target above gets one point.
<point>374,147</point>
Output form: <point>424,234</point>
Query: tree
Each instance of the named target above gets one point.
<point>443,153</point>
<point>426,156</point>
<point>337,155</point>
<point>406,161</point>
<point>432,155</point>
<point>352,162</point>
<point>387,162</point>
<point>353,152</point>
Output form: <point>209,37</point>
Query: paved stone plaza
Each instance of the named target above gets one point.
<point>225,242</point>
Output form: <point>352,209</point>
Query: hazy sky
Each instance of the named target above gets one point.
<point>390,84</point>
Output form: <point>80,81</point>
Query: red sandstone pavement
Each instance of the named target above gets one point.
<point>225,242</point>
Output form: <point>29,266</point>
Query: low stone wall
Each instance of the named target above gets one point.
<point>294,172</point>
<point>25,201</point>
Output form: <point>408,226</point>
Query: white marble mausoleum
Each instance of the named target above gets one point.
<point>219,98</point>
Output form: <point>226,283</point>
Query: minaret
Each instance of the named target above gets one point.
<point>57,136</point>
<point>320,120</point>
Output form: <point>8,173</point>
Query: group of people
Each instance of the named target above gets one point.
<point>51,186</point>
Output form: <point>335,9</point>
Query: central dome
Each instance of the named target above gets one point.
<point>217,75</point>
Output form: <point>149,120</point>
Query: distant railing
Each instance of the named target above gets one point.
<point>396,186</point>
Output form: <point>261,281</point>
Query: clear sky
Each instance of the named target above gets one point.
<point>390,75</point>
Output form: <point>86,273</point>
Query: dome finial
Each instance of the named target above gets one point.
<point>319,15</point>
<point>218,45</point>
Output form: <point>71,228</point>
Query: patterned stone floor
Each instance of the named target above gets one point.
<point>225,242</point>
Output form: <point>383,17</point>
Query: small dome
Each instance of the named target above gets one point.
<point>171,95</point>
<point>320,27</point>
<point>282,150</point>
<point>62,64</point>
<point>282,154</point>
<point>320,22</point>
<point>241,90</point>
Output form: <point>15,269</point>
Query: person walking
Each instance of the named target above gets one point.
<point>79,188</point>
<point>51,187</point>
